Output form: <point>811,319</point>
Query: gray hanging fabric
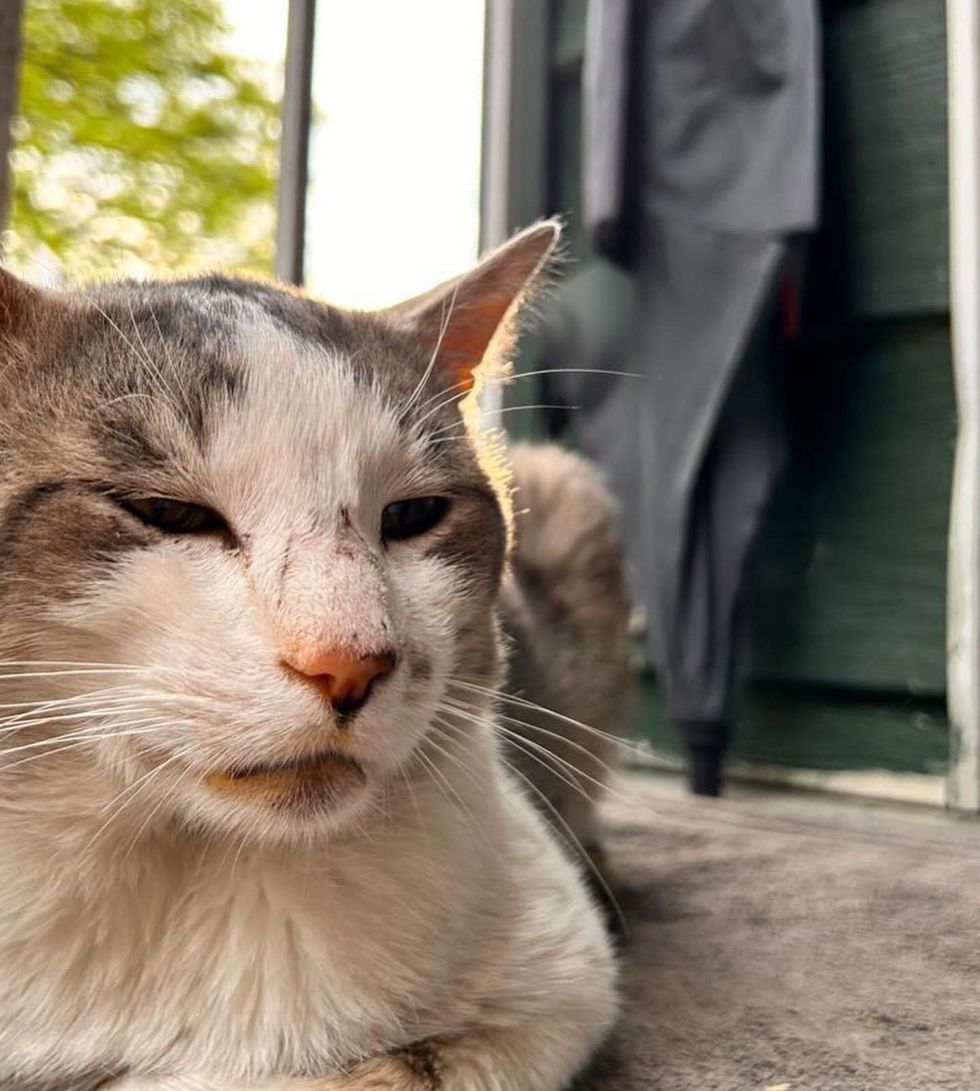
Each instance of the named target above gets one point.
<point>700,167</point>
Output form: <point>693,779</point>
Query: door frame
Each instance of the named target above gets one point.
<point>963,573</point>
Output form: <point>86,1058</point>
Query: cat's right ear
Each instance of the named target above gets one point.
<point>471,319</point>
<point>21,304</point>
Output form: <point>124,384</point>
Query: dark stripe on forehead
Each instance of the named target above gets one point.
<point>375,350</point>
<point>178,352</point>
<point>193,326</point>
<point>305,317</point>
<point>202,343</point>
<point>127,438</point>
<point>219,378</point>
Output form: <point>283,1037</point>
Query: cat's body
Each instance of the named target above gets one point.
<point>566,613</point>
<point>255,831</point>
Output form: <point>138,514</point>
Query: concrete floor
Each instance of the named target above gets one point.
<point>784,940</point>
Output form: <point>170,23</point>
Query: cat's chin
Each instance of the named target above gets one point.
<point>276,806</point>
<point>310,797</point>
<point>322,782</point>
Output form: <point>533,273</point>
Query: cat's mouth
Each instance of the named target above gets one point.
<point>314,780</point>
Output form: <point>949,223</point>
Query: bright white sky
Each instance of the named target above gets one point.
<point>395,157</point>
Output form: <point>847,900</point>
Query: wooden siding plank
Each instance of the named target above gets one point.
<point>851,584</point>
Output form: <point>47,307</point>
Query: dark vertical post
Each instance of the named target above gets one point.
<point>297,113</point>
<point>515,117</point>
<point>514,158</point>
<point>11,13</point>
<point>494,153</point>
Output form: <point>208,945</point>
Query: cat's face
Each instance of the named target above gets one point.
<point>258,526</point>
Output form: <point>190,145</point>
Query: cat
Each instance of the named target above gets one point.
<point>256,829</point>
<point>566,613</point>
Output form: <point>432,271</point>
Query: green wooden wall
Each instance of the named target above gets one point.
<point>849,617</point>
<point>851,604</point>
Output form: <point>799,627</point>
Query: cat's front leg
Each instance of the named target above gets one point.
<point>482,1061</point>
<point>383,1074</point>
<point>408,1070</point>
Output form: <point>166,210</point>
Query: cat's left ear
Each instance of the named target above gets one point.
<point>461,321</point>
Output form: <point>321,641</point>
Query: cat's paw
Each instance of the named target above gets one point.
<point>414,1069</point>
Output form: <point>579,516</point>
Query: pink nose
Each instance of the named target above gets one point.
<point>344,678</point>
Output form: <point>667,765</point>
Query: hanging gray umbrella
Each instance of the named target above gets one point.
<point>700,169</point>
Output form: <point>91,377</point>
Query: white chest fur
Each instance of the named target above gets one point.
<point>245,962</point>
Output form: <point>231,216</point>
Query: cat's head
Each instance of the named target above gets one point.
<point>246,539</point>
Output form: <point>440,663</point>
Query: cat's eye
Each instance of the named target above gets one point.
<point>175,516</point>
<point>410,518</point>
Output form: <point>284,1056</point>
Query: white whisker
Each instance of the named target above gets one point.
<point>499,695</point>
<point>575,371</point>
<point>551,735</point>
<point>520,742</point>
<point>155,810</point>
<point>577,847</point>
<point>120,802</point>
<point>430,367</point>
<point>446,786</point>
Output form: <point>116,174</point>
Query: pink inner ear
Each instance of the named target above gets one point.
<point>460,319</point>
<point>468,336</point>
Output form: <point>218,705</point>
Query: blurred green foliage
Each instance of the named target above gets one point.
<point>141,144</point>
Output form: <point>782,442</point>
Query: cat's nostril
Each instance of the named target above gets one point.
<point>344,679</point>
